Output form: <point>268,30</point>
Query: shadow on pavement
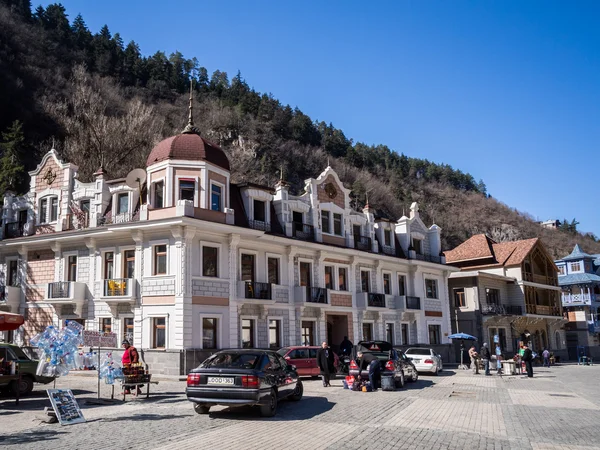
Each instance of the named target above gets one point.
<point>307,408</point>
<point>419,384</point>
<point>143,417</point>
<point>29,437</point>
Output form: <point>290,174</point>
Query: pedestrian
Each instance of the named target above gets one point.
<point>474,360</point>
<point>546,355</point>
<point>528,359</point>
<point>498,359</point>
<point>485,356</point>
<point>325,361</point>
<point>130,356</point>
<point>370,362</point>
<point>346,346</point>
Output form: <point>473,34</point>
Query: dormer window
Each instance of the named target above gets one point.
<point>561,270</point>
<point>418,246</point>
<point>337,224</point>
<point>331,223</point>
<point>84,205</point>
<point>123,203</point>
<point>575,266</point>
<point>215,197</point>
<point>187,189</point>
<point>159,189</point>
<point>325,222</point>
<point>259,211</point>
<point>387,237</point>
<point>48,209</point>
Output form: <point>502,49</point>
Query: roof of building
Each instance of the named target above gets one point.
<point>578,278</point>
<point>476,247</point>
<point>577,253</point>
<point>188,147</point>
<point>481,247</point>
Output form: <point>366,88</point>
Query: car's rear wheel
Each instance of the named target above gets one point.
<point>270,408</point>
<point>400,381</point>
<point>415,376</point>
<point>437,371</point>
<point>201,409</point>
<point>297,395</point>
<point>25,386</point>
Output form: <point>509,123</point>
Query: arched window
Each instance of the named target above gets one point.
<point>557,339</point>
<point>48,209</point>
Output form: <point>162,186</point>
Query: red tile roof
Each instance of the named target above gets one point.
<point>481,247</point>
<point>188,147</point>
<point>477,247</point>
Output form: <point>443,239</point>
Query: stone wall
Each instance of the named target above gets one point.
<point>340,300</point>
<point>212,288</point>
<point>159,286</point>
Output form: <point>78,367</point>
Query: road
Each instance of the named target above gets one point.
<point>558,408</point>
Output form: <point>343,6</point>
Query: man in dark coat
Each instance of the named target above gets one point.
<point>346,346</point>
<point>370,362</point>
<point>325,361</point>
<point>528,358</point>
<point>485,355</point>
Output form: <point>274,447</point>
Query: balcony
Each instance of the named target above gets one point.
<point>311,296</point>
<point>363,243</point>
<point>387,250</point>
<point>413,302</point>
<point>117,291</point>
<point>501,310</point>
<point>540,279</point>
<point>429,258</point>
<point>14,230</point>
<point>303,231</point>
<point>370,300</point>
<point>76,221</point>
<point>543,310</point>
<point>259,225</point>
<point>61,293</point>
<point>110,219</point>
<point>258,291</point>
<point>10,298</point>
<point>578,299</point>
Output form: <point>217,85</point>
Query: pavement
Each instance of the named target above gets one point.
<point>557,409</point>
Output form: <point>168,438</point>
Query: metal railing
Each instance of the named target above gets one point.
<point>303,231</point>
<point>376,300</point>
<point>429,258</point>
<point>59,289</point>
<point>13,230</point>
<point>117,287</point>
<point>259,225</point>
<point>388,250</point>
<point>117,218</point>
<point>254,289</point>
<point>413,302</point>
<point>316,295</point>
<point>76,221</point>
<point>578,299</point>
<point>363,243</point>
<point>501,310</point>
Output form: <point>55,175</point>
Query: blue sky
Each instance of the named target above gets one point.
<point>508,91</point>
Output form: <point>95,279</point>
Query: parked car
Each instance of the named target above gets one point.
<point>241,377</point>
<point>425,360</point>
<point>27,368</point>
<point>393,363</point>
<point>305,359</point>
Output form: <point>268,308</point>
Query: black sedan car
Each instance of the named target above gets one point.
<point>241,377</point>
<point>393,363</point>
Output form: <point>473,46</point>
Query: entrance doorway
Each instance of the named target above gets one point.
<point>337,328</point>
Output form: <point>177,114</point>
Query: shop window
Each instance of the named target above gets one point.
<point>273,270</point>
<point>501,333</point>
<point>342,286</point>
<point>435,333</point>
<point>459,298</point>
<point>160,260</point>
<point>215,197</point>
<point>210,260</point>
<point>209,332</point>
<point>431,288</point>
<point>159,332</point>
<point>275,334</point>
<point>248,333</point>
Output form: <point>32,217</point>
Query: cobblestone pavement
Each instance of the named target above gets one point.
<point>559,408</point>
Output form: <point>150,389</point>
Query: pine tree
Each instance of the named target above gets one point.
<point>12,147</point>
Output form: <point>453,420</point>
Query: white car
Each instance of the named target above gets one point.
<point>425,360</point>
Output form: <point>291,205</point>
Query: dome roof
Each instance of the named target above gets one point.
<point>188,147</point>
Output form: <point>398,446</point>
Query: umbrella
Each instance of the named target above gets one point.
<point>462,337</point>
<point>10,321</point>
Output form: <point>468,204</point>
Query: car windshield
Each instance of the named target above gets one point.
<point>231,360</point>
<point>283,351</point>
<point>418,351</point>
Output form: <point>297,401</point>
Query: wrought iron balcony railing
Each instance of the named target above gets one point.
<point>429,258</point>
<point>59,289</point>
<point>303,231</point>
<point>259,225</point>
<point>14,230</point>
<point>363,243</point>
<point>376,300</point>
<point>256,290</point>
<point>501,310</point>
<point>413,302</point>
<point>316,295</point>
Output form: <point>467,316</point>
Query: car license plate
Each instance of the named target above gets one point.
<point>416,360</point>
<point>219,380</point>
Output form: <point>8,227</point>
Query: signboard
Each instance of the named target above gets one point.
<point>65,406</point>
<point>99,339</point>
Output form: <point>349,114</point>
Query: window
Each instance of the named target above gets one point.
<point>85,206</point>
<point>328,277</point>
<point>44,210</point>
<point>364,280</point>
<point>389,332</point>
<point>325,222</point>
<point>308,332</point>
<point>387,237</point>
<point>209,332</point>
<point>274,334</point>
<point>337,224</point>
<point>575,267</point>
<point>417,245</point>
<point>106,325</point>
<point>247,333</point>
<point>13,272</point>
<point>109,264</point>
<point>404,331</point>
<point>53,209</point>
<point>128,329</point>
<point>561,270</point>
<point>72,268</point>
<point>431,288</point>
<point>305,278</point>
<point>210,261</point>
<point>297,217</point>
<point>123,203</point>
<point>435,332</point>
<point>401,285</point>
<point>459,298</point>
<point>273,270</point>
<point>159,193</point>
<point>342,286</point>
<point>492,296</point>
<point>160,259</point>
<point>247,267</point>
<point>387,284</point>
<point>215,197</point>
<point>259,211</point>
<point>367,331</point>
<point>128,263</point>
<point>187,189</point>
<point>356,232</point>
<point>159,332</point>
<point>501,333</point>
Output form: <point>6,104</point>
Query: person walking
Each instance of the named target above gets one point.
<point>371,363</point>
<point>528,359</point>
<point>485,356</point>
<point>325,361</point>
<point>498,359</point>
<point>130,356</point>
<point>546,356</point>
<point>474,360</point>
<point>346,346</point>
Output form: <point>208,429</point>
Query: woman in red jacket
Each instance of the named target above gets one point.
<point>130,356</point>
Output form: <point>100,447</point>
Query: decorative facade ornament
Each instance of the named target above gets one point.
<point>49,176</point>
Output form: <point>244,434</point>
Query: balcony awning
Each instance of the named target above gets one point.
<point>10,321</point>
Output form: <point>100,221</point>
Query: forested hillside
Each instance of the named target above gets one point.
<point>103,103</point>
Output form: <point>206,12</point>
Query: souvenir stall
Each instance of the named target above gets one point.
<point>9,370</point>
